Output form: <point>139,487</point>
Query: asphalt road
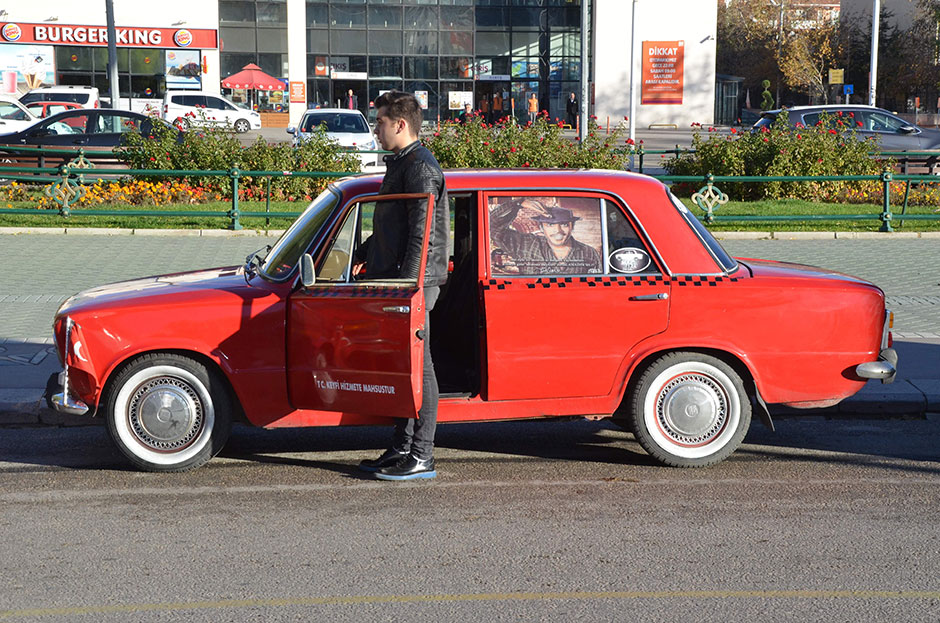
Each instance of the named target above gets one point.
<point>536,521</point>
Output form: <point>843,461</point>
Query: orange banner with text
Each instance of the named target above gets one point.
<point>662,72</point>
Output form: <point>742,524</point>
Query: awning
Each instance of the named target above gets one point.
<point>251,77</point>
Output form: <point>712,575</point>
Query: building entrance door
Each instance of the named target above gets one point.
<point>343,90</point>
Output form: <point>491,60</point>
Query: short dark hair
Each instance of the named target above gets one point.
<point>400,105</point>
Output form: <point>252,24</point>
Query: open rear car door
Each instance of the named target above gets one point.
<point>354,344</point>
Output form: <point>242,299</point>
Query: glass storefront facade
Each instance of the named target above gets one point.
<point>494,53</point>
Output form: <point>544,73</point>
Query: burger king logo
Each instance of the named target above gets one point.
<point>12,32</point>
<point>182,38</point>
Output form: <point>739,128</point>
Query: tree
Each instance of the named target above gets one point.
<point>747,41</point>
<point>807,58</point>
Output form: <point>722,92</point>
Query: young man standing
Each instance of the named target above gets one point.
<point>394,250</point>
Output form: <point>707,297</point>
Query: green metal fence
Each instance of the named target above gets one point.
<point>67,183</point>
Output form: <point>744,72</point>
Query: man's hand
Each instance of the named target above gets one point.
<point>357,268</point>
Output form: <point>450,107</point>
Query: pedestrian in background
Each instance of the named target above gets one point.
<point>533,108</point>
<point>572,110</point>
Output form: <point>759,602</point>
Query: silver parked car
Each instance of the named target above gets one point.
<point>891,132</point>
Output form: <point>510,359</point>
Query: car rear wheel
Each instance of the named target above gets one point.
<point>168,413</point>
<point>690,410</point>
<point>242,126</point>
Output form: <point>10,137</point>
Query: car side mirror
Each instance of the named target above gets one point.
<point>291,129</point>
<point>907,129</point>
<point>307,275</point>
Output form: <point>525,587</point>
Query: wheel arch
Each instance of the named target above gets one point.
<point>211,365</point>
<point>736,363</point>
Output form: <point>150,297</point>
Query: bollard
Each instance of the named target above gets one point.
<point>233,213</point>
<point>886,201</point>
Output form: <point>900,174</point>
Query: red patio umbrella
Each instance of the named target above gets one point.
<point>251,77</point>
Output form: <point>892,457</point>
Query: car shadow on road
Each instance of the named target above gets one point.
<point>904,445</point>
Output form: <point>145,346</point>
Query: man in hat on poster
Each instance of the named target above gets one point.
<point>552,251</point>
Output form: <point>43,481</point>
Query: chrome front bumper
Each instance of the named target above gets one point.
<point>885,368</point>
<point>62,401</point>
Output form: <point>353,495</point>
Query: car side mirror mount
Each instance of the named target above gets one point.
<point>307,275</point>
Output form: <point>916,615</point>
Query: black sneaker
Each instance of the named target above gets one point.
<point>389,457</point>
<point>408,468</point>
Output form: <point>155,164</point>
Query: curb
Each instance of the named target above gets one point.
<point>101,231</point>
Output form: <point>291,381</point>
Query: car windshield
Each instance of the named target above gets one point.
<point>12,112</point>
<point>335,122</point>
<point>283,258</point>
<point>722,257</point>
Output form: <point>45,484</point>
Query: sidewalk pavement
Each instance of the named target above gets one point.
<point>28,299</point>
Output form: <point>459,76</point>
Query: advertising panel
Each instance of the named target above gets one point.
<point>183,69</point>
<point>663,63</point>
<point>25,67</point>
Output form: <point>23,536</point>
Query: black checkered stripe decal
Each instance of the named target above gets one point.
<point>606,282</point>
<point>363,292</point>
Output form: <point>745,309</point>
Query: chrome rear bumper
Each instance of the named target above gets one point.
<point>885,368</point>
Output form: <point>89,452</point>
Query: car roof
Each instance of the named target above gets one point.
<point>341,111</point>
<point>821,107</point>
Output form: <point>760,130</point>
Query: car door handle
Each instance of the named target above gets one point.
<point>80,141</point>
<point>397,309</point>
<point>659,296</point>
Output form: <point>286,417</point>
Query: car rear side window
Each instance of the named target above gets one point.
<point>722,257</point>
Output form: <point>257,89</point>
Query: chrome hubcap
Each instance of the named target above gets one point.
<point>165,414</point>
<point>692,409</point>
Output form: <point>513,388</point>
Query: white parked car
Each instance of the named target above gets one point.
<point>347,127</point>
<point>86,97</point>
<point>14,116</point>
<point>193,108</point>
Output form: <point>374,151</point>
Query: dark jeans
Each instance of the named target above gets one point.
<point>417,435</point>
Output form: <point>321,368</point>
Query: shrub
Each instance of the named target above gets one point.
<point>506,144</point>
<point>217,149</point>
<point>828,148</point>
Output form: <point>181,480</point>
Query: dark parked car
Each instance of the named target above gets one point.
<point>891,132</point>
<point>96,131</point>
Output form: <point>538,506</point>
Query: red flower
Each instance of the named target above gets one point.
<point>832,132</point>
<point>858,123</point>
<point>733,131</point>
<point>630,141</point>
<point>512,149</point>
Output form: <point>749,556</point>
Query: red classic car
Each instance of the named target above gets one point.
<point>618,304</point>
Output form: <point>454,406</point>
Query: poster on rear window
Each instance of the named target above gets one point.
<point>25,67</point>
<point>663,63</point>
<point>183,69</point>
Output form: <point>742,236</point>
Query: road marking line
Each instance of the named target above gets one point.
<point>471,597</point>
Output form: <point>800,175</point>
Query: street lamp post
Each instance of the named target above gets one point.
<point>633,74</point>
<point>873,77</point>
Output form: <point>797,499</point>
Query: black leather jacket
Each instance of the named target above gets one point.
<point>394,248</point>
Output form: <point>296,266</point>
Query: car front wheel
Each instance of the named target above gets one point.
<point>690,410</point>
<point>242,126</point>
<point>168,413</point>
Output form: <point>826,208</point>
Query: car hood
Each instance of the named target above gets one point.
<point>129,293</point>
<point>776,269</point>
